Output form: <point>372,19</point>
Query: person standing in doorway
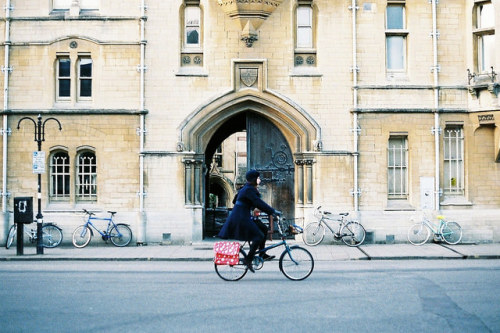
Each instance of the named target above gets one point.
<point>240,224</point>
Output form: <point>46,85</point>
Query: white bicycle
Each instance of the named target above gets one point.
<point>351,232</point>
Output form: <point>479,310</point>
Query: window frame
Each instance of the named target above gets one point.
<point>84,78</point>
<point>59,78</point>
<point>91,175</point>
<point>61,5</point>
<point>55,174</point>
<point>396,33</point>
<point>188,26</point>
<point>479,34</point>
<point>303,27</point>
<point>454,165</point>
<point>392,169</point>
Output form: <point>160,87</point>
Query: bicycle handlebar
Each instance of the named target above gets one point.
<point>324,212</point>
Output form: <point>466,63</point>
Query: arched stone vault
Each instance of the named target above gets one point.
<point>299,128</point>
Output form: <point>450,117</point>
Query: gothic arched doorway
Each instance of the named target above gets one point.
<point>250,141</point>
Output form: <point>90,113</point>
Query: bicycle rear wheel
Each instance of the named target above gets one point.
<point>418,234</point>
<point>313,233</point>
<point>120,235</point>
<point>82,236</point>
<point>51,236</point>
<point>11,236</point>
<point>233,272</point>
<point>353,234</point>
<point>297,263</point>
<point>451,232</point>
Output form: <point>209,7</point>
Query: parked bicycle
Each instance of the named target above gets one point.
<point>118,233</point>
<point>51,235</point>
<point>351,232</point>
<point>295,262</point>
<point>450,232</point>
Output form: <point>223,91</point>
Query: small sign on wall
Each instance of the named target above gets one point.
<point>427,193</point>
<point>38,162</point>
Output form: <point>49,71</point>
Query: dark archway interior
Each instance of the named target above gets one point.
<point>235,124</point>
<point>238,123</point>
<point>220,192</point>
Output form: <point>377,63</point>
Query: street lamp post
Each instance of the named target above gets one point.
<point>39,138</point>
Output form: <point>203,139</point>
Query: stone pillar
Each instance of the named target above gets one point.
<point>305,180</point>
<point>309,180</point>
<point>188,176</point>
<point>300,181</point>
<point>193,181</point>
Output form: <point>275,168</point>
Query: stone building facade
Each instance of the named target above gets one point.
<point>387,109</point>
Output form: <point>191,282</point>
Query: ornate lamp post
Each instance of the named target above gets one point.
<point>39,138</point>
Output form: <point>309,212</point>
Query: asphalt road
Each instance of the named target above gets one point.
<point>354,296</point>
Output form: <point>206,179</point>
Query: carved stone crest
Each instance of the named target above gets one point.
<point>248,76</point>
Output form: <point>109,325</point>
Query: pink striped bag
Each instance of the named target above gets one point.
<point>226,253</point>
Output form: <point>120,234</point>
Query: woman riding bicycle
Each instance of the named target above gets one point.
<point>240,225</point>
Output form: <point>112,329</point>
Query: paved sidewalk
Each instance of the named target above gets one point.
<point>203,252</point>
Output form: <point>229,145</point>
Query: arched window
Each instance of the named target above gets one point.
<point>191,18</point>
<point>304,26</point>
<point>305,52</point>
<point>192,26</point>
<point>86,178</point>
<point>59,176</point>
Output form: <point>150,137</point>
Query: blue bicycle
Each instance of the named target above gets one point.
<point>118,233</point>
<point>295,262</point>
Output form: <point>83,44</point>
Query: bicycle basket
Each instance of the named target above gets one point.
<point>295,229</point>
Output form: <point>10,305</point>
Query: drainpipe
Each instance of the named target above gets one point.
<point>355,126</point>
<point>436,130</point>
<point>5,130</point>
<point>141,235</point>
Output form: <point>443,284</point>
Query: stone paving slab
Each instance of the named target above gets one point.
<point>409,251</point>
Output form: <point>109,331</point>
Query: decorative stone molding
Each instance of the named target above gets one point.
<point>250,14</point>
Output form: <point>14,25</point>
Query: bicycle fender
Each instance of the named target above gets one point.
<point>293,247</point>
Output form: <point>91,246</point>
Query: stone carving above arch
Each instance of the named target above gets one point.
<point>249,74</point>
<point>249,14</point>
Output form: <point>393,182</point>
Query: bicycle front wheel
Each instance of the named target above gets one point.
<point>418,234</point>
<point>120,235</point>
<point>451,232</point>
<point>232,272</point>
<point>313,233</point>
<point>353,234</point>
<point>11,236</point>
<point>51,236</point>
<point>296,263</point>
<point>82,236</point>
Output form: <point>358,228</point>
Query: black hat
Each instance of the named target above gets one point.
<point>252,176</point>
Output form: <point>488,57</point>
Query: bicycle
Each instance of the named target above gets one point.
<point>118,233</point>
<point>51,235</point>
<point>351,232</point>
<point>295,262</point>
<point>450,232</point>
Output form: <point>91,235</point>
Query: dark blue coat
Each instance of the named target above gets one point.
<point>239,224</point>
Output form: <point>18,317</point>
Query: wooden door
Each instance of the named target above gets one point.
<point>269,153</point>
